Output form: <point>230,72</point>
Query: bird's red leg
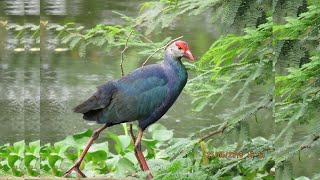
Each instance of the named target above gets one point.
<point>135,150</point>
<point>142,160</point>
<point>76,166</point>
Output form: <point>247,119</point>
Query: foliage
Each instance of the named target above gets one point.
<point>11,159</point>
<point>253,60</point>
<point>102,36</point>
<point>225,161</point>
<point>297,89</point>
<point>24,37</point>
<point>20,159</point>
<point>232,14</point>
<point>233,59</point>
<point>32,159</point>
<point>304,27</point>
<point>101,157</point>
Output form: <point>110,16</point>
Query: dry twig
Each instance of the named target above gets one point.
<point>122,74</point>
<point>163,47</point>
<point>309,145</point>
<point>122,58</point>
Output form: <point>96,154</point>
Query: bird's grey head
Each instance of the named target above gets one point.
<point>179,49</point>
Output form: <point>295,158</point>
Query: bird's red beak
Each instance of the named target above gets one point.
<point>189,55</point>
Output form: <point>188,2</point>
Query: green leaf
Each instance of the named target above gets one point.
<point>117,146</point>
<point>86,133</point>
<point>162,135</point>
<point>99,147</point>
<point>34,147</point>
<point>19,148</point>
<point>28,158</point>
<point>124,167</point>
<point>125,141</point>
<point>52,159</point>
<point>155,127</point>
<point>12,159</point>
<point>82,49</point>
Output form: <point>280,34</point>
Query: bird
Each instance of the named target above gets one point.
<point>144,94</point>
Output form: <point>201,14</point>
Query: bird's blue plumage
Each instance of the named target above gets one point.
<point>145,95</point>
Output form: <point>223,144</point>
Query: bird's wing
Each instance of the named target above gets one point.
<point>129,98</point>
<point>100,99</point>
<point>138,95</point>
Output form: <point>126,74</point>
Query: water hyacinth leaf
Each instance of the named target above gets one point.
<point>71,156</point>
<point>155,127</point>
<point>34,147</point>
<point>12,159</point>
<point>44,166</point>
<point>4,148</point>
<point>99,147</point>
<point>97,156</point>
<point>61,147</point>
<point>150,145</point>
<point>4,168</point>
<point>52,159</point>
<point>162,135</point>
<point>124,167</point>
<point>112,162</point>
<point>86,133</point>
<point>28,157</point>
<point>125,141</point>
<point>47,150</point>
<point>18,148</point>
<point>130,156</point>
<point>115,137</point>
<point>98,152</point>
<point>78,140</point>
<point>149,142</point>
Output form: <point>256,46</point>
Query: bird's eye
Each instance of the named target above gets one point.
<point>179,47</point>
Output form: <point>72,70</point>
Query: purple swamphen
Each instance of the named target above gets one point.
<point>145,94</point>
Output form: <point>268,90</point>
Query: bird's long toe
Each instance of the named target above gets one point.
<point>75,168</point>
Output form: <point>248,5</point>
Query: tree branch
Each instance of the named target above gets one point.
<point>163,47</point>
<point>218,131</point>
<point>308,145</point>
<point>122,58</point>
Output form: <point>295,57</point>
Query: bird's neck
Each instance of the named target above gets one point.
<point>176,67</point>
<point>172,60</point>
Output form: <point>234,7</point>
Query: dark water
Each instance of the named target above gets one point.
<point>38,90</point>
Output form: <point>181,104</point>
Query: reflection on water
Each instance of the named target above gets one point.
<point>15,7</point>
<point>55,7</point>
<point>11,100</point>
<point>32,96</point>
<point>32,7</point>
<point>22,7</point>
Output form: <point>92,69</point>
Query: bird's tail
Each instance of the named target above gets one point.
<point>93,115</point>
<point>87,105</point>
